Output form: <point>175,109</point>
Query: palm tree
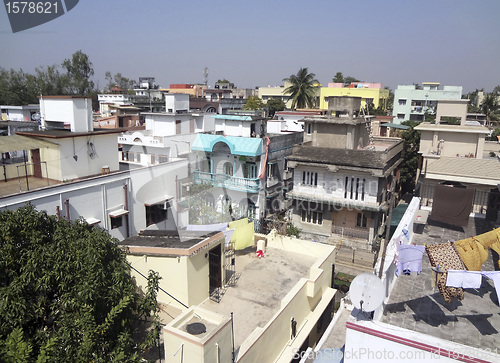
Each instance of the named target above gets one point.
<point>302,88</point>
<point>490,106</point>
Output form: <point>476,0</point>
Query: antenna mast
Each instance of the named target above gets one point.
<point>205,76</point>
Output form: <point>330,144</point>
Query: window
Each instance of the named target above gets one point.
<point>309,178</point>
<point>177,127</point>
<point>312,217</point>
<point>361,220</point>
<point>156,213</point>
<point>228,168</point>
<point>402,101</point>
<point>401,116</point>
<point>116,222</point>
<point>250,170</point>
<point>309,128</point>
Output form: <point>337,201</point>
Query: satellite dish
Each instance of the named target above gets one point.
<point>367,292</point>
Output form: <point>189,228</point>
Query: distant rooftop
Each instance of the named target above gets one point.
<point>176,243</point>
<point>415,303</point>
<point>477,171</point>
<point>63,133</point>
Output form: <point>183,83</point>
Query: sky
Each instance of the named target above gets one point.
<point>258,43</point>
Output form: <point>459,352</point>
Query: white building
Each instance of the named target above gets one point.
<point>411,103</point>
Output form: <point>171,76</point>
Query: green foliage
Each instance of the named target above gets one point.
<point>118,80</point>
<point>409,166</point>
<point>339,78</point>
<point>223,81</point>
<point>292,230</point>
<point>253,103</point>
<point>275,105</point>
<point>66,293</point>
<point>302,89</point>
<point>490,107</point>
<point>494,135</point>
<point>79,70</point>
<point>20,88</point>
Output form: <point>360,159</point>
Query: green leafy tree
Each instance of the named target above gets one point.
<point>338,78</point>
<point>253,103</point>
<point>275,105</point>
<point>409,166</point>
<point>302,89</point>
<point>66,294</point>
<point>118,80</point>
<point>79,70</point>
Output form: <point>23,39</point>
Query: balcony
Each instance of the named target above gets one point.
<point>351,232</point>
<point>227,181</point>
<point>287,174</point>
<point>271,182</point>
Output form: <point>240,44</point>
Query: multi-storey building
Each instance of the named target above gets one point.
<point>343,176</point>
<point>167,134</point>
<point>246,167</point>
<point>453,154</point>
<point>370,93</point>
<point>412,102</point>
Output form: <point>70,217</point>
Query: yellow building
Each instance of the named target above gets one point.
<point>369,92</point>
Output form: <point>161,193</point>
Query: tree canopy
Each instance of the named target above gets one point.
<point>253,103</point>
<point>339,78</point>
<point>79,70</point>
<point>302,89</point>
<point>275,105</point>
<point>21,88</point>
<point>66,294</point>
<point>119,81</point>
<point>409,166</point>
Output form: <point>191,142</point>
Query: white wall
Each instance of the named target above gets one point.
<point>97,197</point>
<point>76,112</point>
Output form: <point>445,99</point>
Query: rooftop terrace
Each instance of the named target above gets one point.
<point>416,304</point>
<point>261,286</point>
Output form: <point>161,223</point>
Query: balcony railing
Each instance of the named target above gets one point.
<point>351,232</point>
<point>227,181</point>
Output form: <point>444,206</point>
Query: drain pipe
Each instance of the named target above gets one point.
<point>232,332</point>
<point>125,191</point>
<point>66,205</point>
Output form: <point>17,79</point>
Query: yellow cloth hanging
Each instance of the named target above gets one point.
<point>490,240</point>
<point>471,253</point>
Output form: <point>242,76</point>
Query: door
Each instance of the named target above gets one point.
<point>493,205</point>
<point>37,166</point>
<point>214,268</point>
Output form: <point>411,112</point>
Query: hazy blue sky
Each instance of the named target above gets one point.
<point>258,43</point>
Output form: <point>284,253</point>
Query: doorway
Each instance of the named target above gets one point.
<point>215,272</point>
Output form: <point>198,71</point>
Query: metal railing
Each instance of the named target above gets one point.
<point>228,181</point>
<point>351,232</point>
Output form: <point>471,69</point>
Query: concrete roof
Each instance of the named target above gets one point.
<point>474,129</point>
<point>233,117</point>
<point>261,285</point>
<point>63,133</point>
<point>415,303</point>
<point>344,157</point>
<point>170,243</point>
<point>467,170</point>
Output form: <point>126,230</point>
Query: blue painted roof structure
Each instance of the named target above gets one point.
<point>233,117</point>
<point>248,146</point>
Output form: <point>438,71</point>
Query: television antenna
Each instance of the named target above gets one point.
<point>205,76</point>
<point>367,292</point>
